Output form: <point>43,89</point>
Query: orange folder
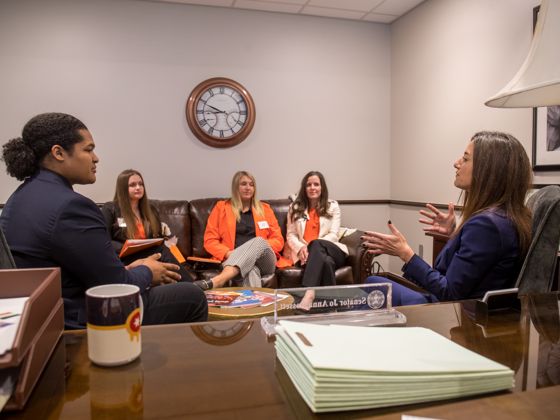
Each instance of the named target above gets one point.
<point>131,246</point>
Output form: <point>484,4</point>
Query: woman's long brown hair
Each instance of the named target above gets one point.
<point>152,225</point>
<point>501,179</point>
<point>301,203</point>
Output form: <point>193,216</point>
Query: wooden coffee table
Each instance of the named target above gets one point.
<point>217,313</point>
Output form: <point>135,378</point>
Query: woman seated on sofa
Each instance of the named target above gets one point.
<point>244,234</point>
<point>486,251</point>
<point>131,216</point>
<point>312,235</point>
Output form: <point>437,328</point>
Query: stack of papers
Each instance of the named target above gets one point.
<point>11,310</point>
<point>338,367</point>
<point>10,316</point>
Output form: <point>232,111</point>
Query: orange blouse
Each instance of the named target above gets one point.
<point>140,232</point>
<point>312,226</point>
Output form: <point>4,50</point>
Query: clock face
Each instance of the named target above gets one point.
<point>222,334</point>
<point>220,112</point>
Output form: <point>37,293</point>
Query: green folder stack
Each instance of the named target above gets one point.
<point>338,367</point>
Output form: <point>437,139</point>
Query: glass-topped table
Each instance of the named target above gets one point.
<point>228,369</point>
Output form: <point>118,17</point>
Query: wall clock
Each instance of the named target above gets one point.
<point>220,112</point>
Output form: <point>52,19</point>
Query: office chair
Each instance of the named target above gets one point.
<point>537,273</point>
<point>6,259</point>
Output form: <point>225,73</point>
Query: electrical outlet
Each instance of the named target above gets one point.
<point>421,251</point>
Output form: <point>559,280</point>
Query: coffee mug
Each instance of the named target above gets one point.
<point>114,316</point>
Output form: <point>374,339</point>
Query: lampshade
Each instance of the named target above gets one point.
<point>537,83</point>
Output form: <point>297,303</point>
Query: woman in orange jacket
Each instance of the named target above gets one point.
<point>244,234</point>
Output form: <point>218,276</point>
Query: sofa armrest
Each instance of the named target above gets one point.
<point>358,258</point>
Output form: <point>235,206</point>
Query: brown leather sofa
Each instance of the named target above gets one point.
<point>187,221</point>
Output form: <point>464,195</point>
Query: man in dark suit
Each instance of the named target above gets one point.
<point>48,224</point>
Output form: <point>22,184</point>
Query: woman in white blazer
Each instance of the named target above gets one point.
<point>312,235</point>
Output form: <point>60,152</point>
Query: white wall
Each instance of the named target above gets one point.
<point>448,57</point>
<point>321,88</point>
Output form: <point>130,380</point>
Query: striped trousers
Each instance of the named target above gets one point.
<point>254,259</point>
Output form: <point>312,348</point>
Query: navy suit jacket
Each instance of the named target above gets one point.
<point>48,224</point>
<point>483,256</point>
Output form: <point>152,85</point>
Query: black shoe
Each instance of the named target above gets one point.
<point>204,284</point>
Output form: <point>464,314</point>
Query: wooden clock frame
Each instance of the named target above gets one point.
<point>202,135</point>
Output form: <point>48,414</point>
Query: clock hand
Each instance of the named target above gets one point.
<point>217,110</point>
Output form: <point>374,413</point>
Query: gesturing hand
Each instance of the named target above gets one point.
<point>393,244</point>
<point>439,222</point>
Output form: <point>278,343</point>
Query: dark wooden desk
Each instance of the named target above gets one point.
<point>227,369</point>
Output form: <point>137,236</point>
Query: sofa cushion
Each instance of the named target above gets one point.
<point>176,214</point>
<point>199,212</point>
<point>280,208</point>
<point>291,276</point>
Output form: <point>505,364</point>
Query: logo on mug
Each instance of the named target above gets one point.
<point>133,323</point>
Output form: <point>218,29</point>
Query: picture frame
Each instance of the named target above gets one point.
<point>543,159</point>
<point>546,138</point>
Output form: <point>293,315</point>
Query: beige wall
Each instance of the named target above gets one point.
<point>382,110</point>
<point>447,58</point>
<point>321,88</point>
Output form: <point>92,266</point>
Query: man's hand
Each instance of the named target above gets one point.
<point>162,273</point>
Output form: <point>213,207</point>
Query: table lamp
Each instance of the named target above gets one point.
<point>537,83</point>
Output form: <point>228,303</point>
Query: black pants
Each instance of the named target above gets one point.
<point>324,258</point>
<point>166,256</point>
<point>174,304</point>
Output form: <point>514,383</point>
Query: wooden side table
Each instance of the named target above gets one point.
<point>439,242</point>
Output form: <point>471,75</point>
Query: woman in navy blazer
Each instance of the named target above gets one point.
<point>486,251</point>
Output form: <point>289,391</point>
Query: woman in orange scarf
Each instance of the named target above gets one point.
<point>312,235</point>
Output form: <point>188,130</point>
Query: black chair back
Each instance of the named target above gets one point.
<point>539,267</point>
<point>6,259</point>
